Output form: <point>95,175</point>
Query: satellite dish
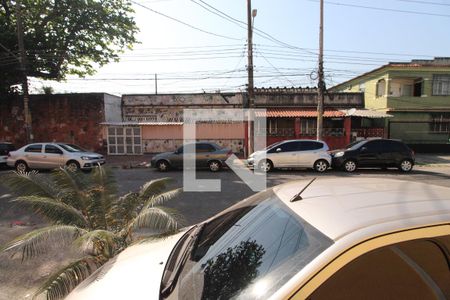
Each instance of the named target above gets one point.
<point>351,111</point>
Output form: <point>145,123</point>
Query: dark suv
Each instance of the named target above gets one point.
<point>5,148</point>
<point>380,153</point>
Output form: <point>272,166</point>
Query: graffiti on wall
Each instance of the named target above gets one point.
<point>183,99</point>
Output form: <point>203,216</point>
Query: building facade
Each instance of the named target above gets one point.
<point>70,118</point>
<point>154,123</point>
<point>292,114</point>
<point>416,94</point>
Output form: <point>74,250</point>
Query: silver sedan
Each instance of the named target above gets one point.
<point>53,155</point>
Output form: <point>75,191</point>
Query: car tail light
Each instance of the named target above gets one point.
<point>229,153</point>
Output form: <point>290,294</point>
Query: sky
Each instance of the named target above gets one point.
<point>359,35</point>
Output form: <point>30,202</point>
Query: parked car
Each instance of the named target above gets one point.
<point>381,153</point>
<point>5,148</point>
<point>208,155</point>
<point>372,238</point>
<point>53,155</point>
<point>292,154</point>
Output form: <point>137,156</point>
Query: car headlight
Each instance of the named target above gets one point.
<point>339,154</point>
<point>86,158</point>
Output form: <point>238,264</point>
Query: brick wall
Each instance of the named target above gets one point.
<point>71,118</point>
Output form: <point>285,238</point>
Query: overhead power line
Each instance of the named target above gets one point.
<point>184,23</point>
<point>424,2</point>
<point>385,9</point>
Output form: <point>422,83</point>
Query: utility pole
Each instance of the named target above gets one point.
<point>321,83</point>
<point>250,15</point>
<point>156,84</point>
<point>22,60</point>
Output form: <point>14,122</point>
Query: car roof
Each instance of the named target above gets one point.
<point>341,206</point>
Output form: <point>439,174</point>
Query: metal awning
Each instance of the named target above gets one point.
<point>365,113</point>
<point>298,112</point>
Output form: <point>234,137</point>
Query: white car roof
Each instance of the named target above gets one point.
<point>339,207</point>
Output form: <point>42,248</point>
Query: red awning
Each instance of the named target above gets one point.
<point>298,112</point>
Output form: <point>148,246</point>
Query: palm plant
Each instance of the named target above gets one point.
<point>85,211</point>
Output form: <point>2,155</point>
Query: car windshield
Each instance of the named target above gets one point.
<point>248,252</point>
<point>354,145</point>
<point>71,148</point>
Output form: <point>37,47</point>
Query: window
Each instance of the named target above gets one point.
<point>417,269</point>
<point>441,85</point>
<point>204,148</point>
<point>394,146</point>
<point>308,146</point>
<point>124,140</point>
<point>6,148</point>
<point>308,126</point>
<point>440,123</point>
<point>261,242</point>
<point>374,146</point>
<point>37,148</point>
<point>280,127</point>
<point>381,88</point>
<point>52,149</point>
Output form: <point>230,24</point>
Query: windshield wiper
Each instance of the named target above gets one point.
<point>188,252</point>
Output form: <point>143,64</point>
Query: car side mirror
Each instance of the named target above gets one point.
<point>278,150</point>
<point>363,149</point>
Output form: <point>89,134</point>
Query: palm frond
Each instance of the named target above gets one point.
<point>123,210</point>
<point>98,242</point>
<point>154,187</point>
<point>73,186</point>
<point>56,212</point>
<point>31,183</point>
<point>158,218</point>
<point>66,279</point>
<point>37,241</point>
<point>159,199</point>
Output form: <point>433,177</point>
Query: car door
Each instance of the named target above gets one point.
<point>285,154</point>
<point>308,153</point>
<point>203,153</point>
<point>33,156</point>
<point>369,154</point>
<point>53,156</point>
<point>388,153</point>
<point>409,269</point>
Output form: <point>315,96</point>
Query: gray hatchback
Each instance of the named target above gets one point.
<point>207,155</point>
<point>53,155</point>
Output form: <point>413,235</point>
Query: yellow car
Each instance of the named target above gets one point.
<point>367,238</point>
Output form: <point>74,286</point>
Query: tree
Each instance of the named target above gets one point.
<point>64,37</point>
<point>85,211</point>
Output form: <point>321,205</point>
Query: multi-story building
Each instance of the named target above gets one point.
<point>416,94</point>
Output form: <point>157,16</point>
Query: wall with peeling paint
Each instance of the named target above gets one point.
<point>71,118</point>
<point>169,108</point>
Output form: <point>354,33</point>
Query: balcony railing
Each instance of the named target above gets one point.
<point>290,132</point>
<point>369,132</point>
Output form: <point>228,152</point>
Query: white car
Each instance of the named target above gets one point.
<point>292,154</point>
<point>370,238</point>
<point>53,155</point>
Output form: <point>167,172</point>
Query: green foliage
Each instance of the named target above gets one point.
<point>84,210</point>
<point>64,36</point>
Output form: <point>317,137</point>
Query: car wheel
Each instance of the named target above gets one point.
<point>162,166</point>
<point>21,166</point>
<point>214,166</point>
<point>72,166</point>
<point>321,165</point>
<point>350,166</point>
<point>265,166</point>
<point>406,165</point>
